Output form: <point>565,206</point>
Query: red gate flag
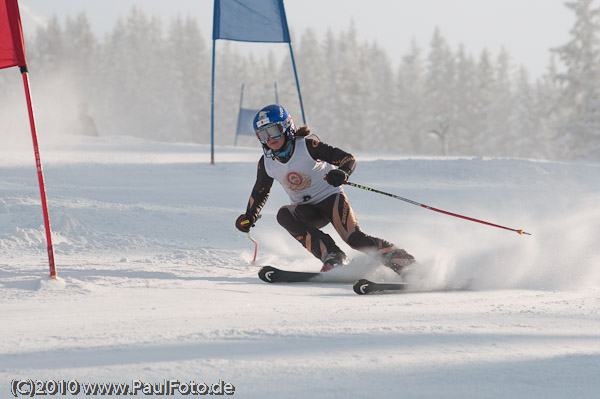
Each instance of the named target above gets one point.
<point>12,49</point>
<point>12,53</point>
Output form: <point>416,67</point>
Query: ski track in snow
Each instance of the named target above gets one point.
<point>155,282</point>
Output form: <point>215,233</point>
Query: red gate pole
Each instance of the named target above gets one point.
<point>40,173</point>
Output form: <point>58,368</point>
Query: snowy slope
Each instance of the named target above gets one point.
<point>156,283</point>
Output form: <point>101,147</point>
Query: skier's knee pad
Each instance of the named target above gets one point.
<point>286,218</point>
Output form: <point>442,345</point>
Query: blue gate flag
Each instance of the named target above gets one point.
<point>250,21</point>
<point>245,120</point>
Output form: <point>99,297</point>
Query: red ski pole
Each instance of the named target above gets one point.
<point>252,239</point>
<point>255,247</point>
<point>520,231</point>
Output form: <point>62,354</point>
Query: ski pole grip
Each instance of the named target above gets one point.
<point>325,178</point>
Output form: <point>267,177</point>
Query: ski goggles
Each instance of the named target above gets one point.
<point>272,130</point>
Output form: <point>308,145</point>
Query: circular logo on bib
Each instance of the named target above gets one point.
<point>297,181</point>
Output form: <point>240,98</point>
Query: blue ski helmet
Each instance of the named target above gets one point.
<point>271,120</point>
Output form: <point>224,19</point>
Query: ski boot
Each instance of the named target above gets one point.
<point>334,259</point>
<point>398,260</point>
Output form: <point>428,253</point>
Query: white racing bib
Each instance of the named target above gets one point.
<point>302,177</point>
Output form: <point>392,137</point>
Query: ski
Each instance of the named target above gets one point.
<point>364,286</point>
<point>272,274</point>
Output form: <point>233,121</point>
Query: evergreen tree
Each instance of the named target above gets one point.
<point>409,127</point>
<point>483,97</point>
<point>439,94</point>
<point>378,83</point>
<point>62,59</point>
<point>580,83</point>
<point>546,108</point>
<point>190,90</point>
<point>80,50</point>
<point>286,82</point>
<point>351,99</point>
<point>501,137</point>
<point>230,74</point>
<point>134,69</point>
<point>139,82</point>
<point>523,121</point>
<point>464,105</point>
<point>332,131</point>
<point>312,75</point>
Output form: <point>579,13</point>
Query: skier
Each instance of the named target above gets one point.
<point>311,172</point>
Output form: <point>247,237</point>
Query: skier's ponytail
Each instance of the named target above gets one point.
<point>302,131</point>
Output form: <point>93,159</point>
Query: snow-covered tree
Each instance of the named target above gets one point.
<point>378,101</point>
<point>501,138</point>
<point>351,101</point>
<point>548,113</point>
<point>312,74</point>
<point>138,81</point>
<point>483,99</point>
<point>580,83</point>
<point>464,111</point>
<point>439,93</point>
<point>409,127</point>
<point>523,122</point>
<point>190,90</point>
<point>135,97</point>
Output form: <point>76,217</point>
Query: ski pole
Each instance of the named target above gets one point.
<point>252,239</point>
<point>255,247</point>
<point>520,231</point>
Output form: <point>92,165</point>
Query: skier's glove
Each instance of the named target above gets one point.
<point>336,177</point>
<point>244,222</point>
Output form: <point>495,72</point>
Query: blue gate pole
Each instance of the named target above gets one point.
<point>212,109</point>
<point>239,114</point>
<point>297,83</point>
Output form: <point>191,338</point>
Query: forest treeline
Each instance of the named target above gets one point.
<point>149,79</point>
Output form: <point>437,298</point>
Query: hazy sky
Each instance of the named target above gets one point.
<point>526,28</point>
